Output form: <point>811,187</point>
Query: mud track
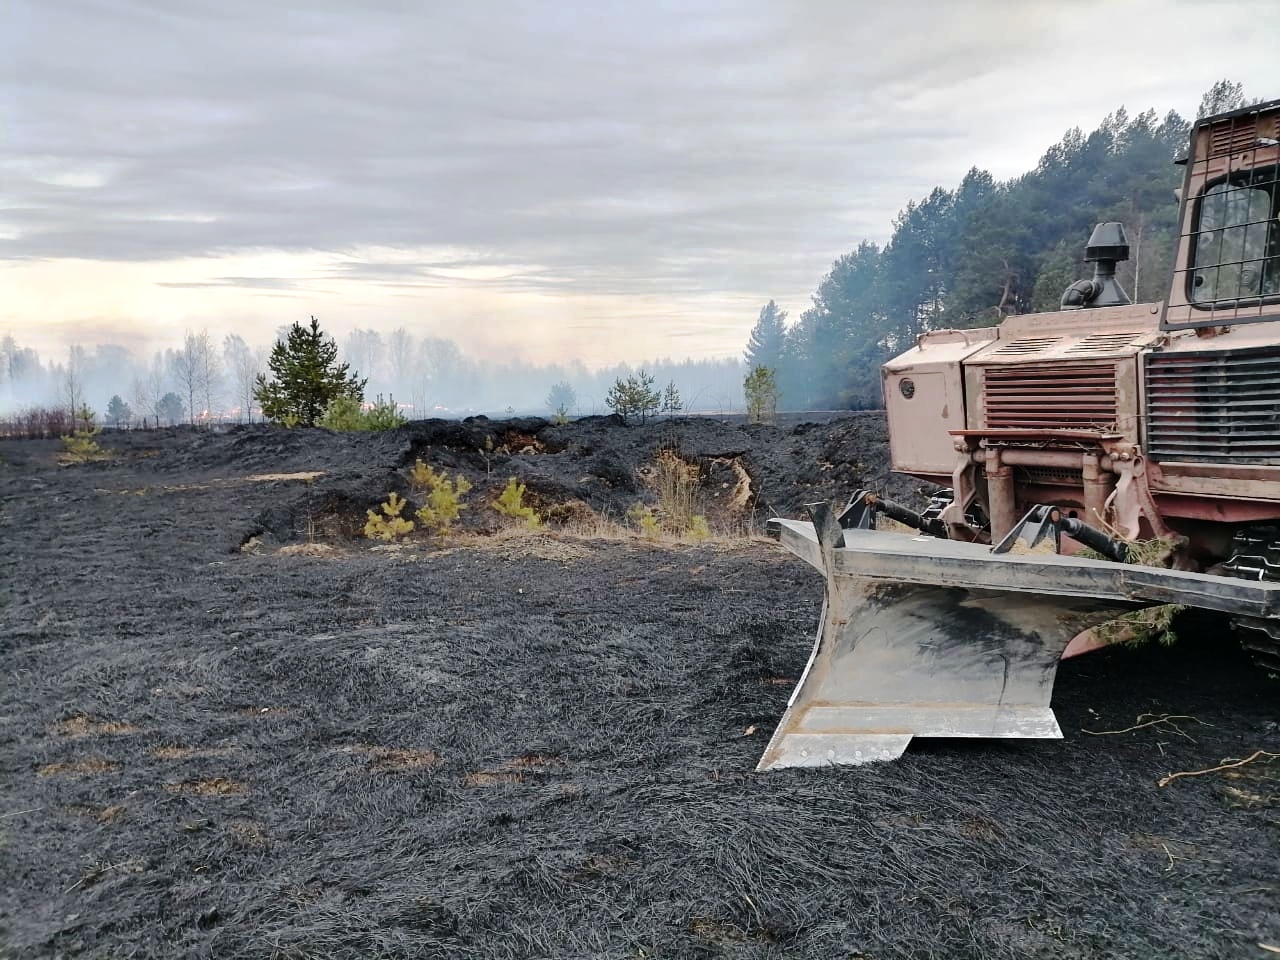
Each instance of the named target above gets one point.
<point>541,745</point>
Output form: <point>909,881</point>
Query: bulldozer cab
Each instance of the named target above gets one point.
<point>1228,260</point>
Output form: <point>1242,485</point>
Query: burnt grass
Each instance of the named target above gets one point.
<point>542,745</point>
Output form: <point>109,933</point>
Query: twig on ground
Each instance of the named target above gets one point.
<point>1140,724</point>
<point>18,813</point>
<point>1225,765</point>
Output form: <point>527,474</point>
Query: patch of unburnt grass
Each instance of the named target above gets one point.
<point>173,751</point>
<point>323,551</point>
<point>207,787</point>
<point>91,766</point>
<point>600,865</point>
<point>1254,787</point>
<point>112,813</point>
<point>83,725</point>
<point>723,933</point>
<point>247,834</point>
<point>184,691</point>
<point>513,771</point>
<point>394,759</point>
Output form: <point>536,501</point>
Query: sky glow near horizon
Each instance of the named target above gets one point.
<point>604,181</point>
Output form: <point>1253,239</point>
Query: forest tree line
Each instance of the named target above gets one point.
<point>212,379</point>
<point>964,257</point>
<point>983,251</point>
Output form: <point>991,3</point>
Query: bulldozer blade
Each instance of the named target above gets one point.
<point>923,637</point>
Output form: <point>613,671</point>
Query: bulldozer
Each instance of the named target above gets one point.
<point>1100,459</point>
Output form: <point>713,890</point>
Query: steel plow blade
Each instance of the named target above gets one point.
<point>922,637</point>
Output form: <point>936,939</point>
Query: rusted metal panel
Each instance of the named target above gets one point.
<point>924,400</point>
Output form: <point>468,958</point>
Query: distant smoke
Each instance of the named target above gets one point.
<point>427,376</point>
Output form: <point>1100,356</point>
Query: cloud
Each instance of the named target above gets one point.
<point>248,283</point>
<point>604,150</point>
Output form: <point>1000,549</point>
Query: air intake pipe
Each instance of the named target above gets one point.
<point>1107,246</point>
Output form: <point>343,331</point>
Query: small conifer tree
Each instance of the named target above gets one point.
<point>443,497</point>
<point>643,517</point>
<point>635,397</point>
<point>388,525</point>
<point>761,388</point>
<point>671,402</point>
<point>306,377</point>
<point>384,415</point>
<point>511,504</point>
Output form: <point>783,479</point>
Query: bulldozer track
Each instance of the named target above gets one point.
<point>1255,555</point>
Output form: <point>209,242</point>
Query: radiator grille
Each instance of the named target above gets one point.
<point>1219,407</point>
<point>1049,396</point>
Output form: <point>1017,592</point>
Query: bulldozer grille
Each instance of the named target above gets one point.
<point>1219,407</point>
<point>1050,396</point>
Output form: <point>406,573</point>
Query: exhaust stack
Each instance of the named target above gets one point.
<point>1108,246</point>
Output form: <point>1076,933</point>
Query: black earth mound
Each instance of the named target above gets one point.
<point>541,745</point>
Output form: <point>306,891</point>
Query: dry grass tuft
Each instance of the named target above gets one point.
<point>171,751</point>
<point>491,778</point>
<point>395,758</point>
<point>980,828</point>
<point>601,865</point>
<point>723,934</point>
<point>207,787</point>
<point>305,475</point>
<point>104,815</point>
<point>513,771</point>
<point>534,761</point>
<point>186,691</point>
<point>676,482</point>
<point>247,833</point>
<point>519,542</point>
<point>94,765</point>
<point>102,868</point>
<point>1256,787</point>
<point>83,725</point>
<point>322,550</point>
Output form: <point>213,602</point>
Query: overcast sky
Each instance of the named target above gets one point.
<point>609,181</point>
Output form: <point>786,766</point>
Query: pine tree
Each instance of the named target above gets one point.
<point>635,396</point>
<point>761,389</point>
<point>1058,270</point>
<point>561,400</point>
<point>118,411</point>
<point>1223,96</point>
<point>671,402</point>
<point>170,408</point>
<point>764,348</point>
<point>306,377</point>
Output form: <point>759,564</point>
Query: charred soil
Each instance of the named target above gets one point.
<point>232,727</point>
